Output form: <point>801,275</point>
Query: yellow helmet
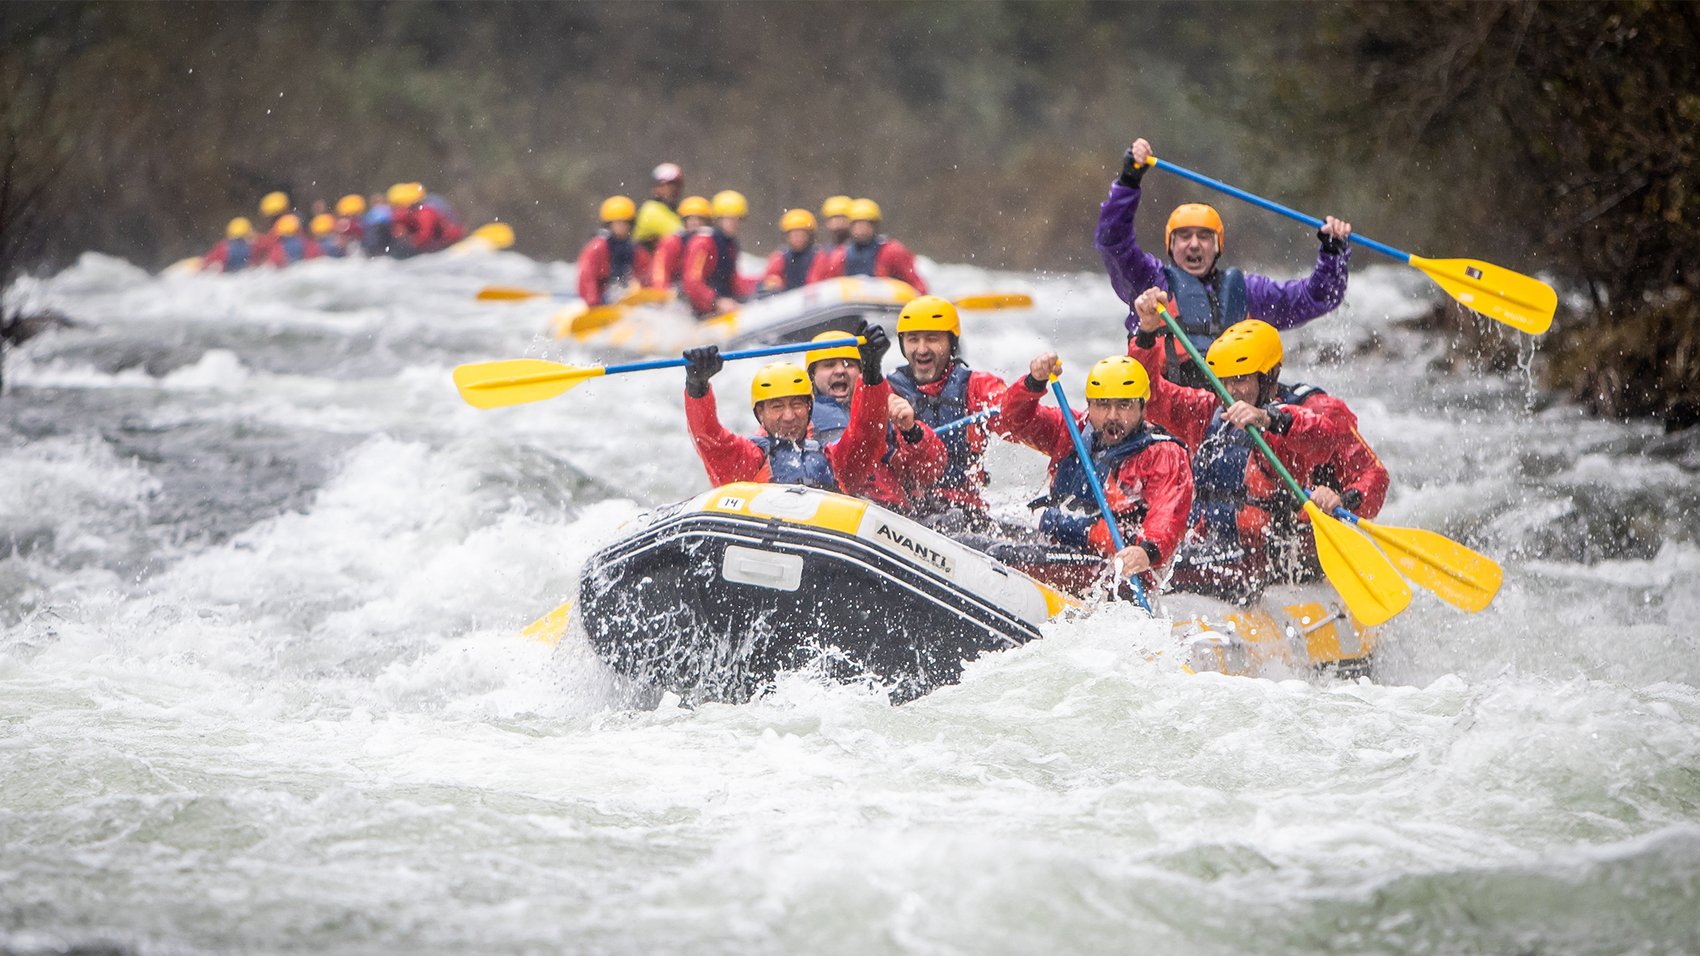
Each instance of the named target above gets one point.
<point>1245,347</point>
<point>729,204</point>
<point>405,194</point>
<point>864,209</point>
<point>841,351</point>
<point>239,228</point>
<point>929,313</point>
<point>797,219</point>
<point>352,204</point>
<point>695,206</point>
<point>618,209</point>
<point>272,204</point>
<point>288,225</point>
<point>1195,214</point>
<point>835,206</point>
<point>779,380</point>
<point>1118,376</point>
<point>322,225</point>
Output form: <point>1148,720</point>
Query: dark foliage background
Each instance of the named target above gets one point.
<point>1550,137</point>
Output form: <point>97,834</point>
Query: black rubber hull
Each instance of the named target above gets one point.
<point>658,607</point>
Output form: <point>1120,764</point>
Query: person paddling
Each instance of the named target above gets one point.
<point>1247,529</point>
<point>669,259</point>
<point>835,219</point>
<point>659,215</point>
<point>781,398</point>
<point>422,222</point>
<point>1146,476</point>
<point>788,267</point>
<point>232,253</point>
<point>610,262</point>
<point>710,278</point>
<point>914,458</point>
<point>1211,297</point>
<point>868,253</point>
<point>288,245</point>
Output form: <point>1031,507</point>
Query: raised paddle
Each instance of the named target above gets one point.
<point>1366,580</point>
<point>1515,299</point>
<point>1097,485</point>
<point>517,381</point>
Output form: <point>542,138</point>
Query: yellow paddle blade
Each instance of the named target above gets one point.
<point>1465,579</point>
<point>550,627</point>
<point>1523,303</point>
<point>643,295</point>
<point>596,317</point>
<point>499,235</point>
<point>996,300</point>
<point>507,293</point>
<point>1367,581</point>
<point>517,381</point>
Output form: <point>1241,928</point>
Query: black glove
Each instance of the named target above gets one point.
<point>701,364</point>
<point>1131,174</point>
<point>1279,420</point>
<point>873,351</point>
<point>1331,244</point>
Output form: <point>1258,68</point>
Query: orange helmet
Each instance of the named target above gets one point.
<point>1199,215</point>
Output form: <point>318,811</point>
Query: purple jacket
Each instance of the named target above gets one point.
<point>1285,305</point>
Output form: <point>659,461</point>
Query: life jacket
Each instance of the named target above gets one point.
<point>621,253</point>
<point>1071,508</point>
<point>1219,470</point>
<point>860,260</point>
<point>294,248</point>
<point>236,253</point>
<point>1206,311</point>
<point>828,418</point>
<point>794,463</point>
<point>725,266</point>
<point>796,266</point>
<point>950,404</point>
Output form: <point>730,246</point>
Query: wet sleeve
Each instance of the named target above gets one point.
<point>693,278</point>
<point>856,452</point>
<point>592,268</point>
<point>725,456</point>
<point>1022,419</point>
<point>1182,412</point>
<point>918,465</point>
<point>1292,303</point>
<point>1165,480</point>
<point>1131,269</point>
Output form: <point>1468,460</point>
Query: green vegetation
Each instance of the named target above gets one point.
<point>1549,137</point>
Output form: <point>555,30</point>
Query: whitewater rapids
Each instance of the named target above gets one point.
<point>262,690</point>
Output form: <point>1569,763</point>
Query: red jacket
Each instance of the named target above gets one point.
<point>217,258</point>
<point>1159,476</point>
<point>728,457</point>
<point>892,261</point>
<point>596,266</point>
<point>985,390</point>
<point>276,252</point>
<point>426,229</point>
<point>1321,443</point>
<point>900,479</point>
<point>702,260</point>
<point>668,260</point>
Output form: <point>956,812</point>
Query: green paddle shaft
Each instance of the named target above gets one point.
<point>1222,391</point>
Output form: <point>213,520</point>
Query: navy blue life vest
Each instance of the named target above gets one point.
<point>793,463</point>
<point>235,254</point>
<point>859,260</point>
<point>1072,507</point>
<point>293,248</point>
<point>1206,311</point>
<point>950,404</point>
<point>620,256</point>
<point>725,266</point>
<point>796,266</point>
<point>828,418</point>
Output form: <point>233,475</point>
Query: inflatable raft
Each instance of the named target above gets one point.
<point>718,594</point>
<point>668,328</point>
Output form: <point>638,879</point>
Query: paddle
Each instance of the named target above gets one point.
<point>517,381</point>
<point>1097,485</point>
<point>1366,580</point>
<point>490,236</point>
<point>1515,299</point>
<point>966,420</point>
<point>996,300</point>
<point>1465,579</point>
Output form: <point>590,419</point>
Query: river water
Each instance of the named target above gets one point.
<point>261,688</point>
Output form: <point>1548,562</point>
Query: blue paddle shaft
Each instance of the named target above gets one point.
<point>966,420</point>
<point>1097,486</point>
<point>747,353</point>
<point>1274,207</point>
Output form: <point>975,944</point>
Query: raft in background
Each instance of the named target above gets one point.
<point>717,595</point>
